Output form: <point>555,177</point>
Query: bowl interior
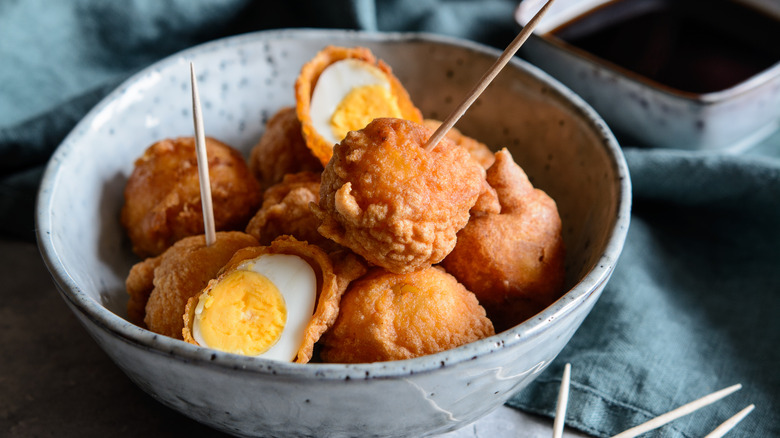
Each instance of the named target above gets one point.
<point>562,145</point>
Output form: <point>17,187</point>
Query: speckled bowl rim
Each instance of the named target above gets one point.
<point>129,333</point>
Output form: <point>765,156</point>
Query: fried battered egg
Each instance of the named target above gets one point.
<point>260,309</point>
<point>348,95</point>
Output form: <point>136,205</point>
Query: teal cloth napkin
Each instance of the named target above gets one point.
<point>691,307</point>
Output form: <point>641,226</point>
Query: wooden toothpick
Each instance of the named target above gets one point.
<point>203,163</point>
<point>677,413</point>
<point>487,78</point>
<point>563,400</point>
<point>730,423</point>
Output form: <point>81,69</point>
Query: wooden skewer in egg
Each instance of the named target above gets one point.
<point>203,163</point>
<point>486,79</point>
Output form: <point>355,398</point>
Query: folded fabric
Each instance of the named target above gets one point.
<point>690,308</point>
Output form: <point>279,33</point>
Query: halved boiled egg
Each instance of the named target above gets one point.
<point>272,301</point>
<point>342,90</point>
<point>348,96</point>
<point>261,308</point>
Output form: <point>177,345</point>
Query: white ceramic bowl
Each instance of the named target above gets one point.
<point>563,145</point>
<point>647,113</point>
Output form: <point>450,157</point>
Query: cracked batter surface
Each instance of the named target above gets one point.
<point>391,201</point>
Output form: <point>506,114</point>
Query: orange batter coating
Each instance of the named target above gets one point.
<point>281,150</point>
<point>334,274</point>
<point>307,80</point>
<point>388,199</point>
<point>286,211</point>
<point>478,150</point>
<point>512,261</point>
<point>386,316</point>
<point>159,287</point>
<point>162,195</point>
<point>139,285</point>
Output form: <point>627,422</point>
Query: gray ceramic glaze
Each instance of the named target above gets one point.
<point>649,114</point>
<point>563,145</point>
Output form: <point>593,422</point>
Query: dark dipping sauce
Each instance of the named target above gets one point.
<point>694,46</point>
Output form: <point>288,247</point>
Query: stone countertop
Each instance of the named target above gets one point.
<point>56,382</point>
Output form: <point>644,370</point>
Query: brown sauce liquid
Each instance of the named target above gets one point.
<point>697,46</point>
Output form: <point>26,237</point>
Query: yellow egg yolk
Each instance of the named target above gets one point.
<point>244,314</point>
<point>362,105</point>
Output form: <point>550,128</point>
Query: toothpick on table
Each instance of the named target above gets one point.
<point>563,400</point>
<point>730,423</point>
<point>677,413</point>
<point>203,163</point>
<point>488,77</point>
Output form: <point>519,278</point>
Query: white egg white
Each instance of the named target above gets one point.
<point>296,281</point>
<point>334,84</point>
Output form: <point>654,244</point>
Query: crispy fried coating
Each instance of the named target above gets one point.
<point>478,150</point>
<point>139,285</point>
<point>334,273</point>
<point>307,80</point>
<point>286,211</point>
<point>162,196</point>
<point>281,150</point>
<point>386,316</point>
<point>487,202</point>
<point>512,261</point>
<point>159,287</point>
<point>388,199</point>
